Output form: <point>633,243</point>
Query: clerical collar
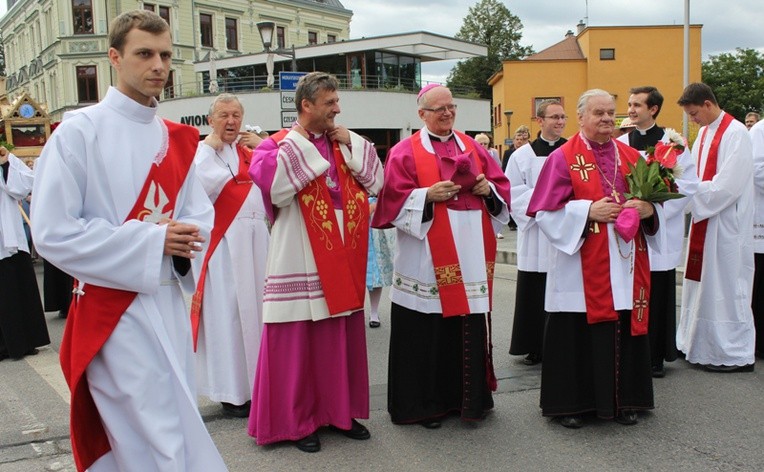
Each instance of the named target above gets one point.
<point>311,135</point>
<point>128,107</point>
<point>442,139</point>
<point>551,143</point>
<point>591,143</point>
<point>644,131</point>
<point>717,121</point>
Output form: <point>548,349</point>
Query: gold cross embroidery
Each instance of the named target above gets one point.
<point>640,304</point>
<point>582,167</point>
<point>448,275</point>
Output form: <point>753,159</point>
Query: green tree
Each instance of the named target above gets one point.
<point>738,81</point>
<point>488,22</point>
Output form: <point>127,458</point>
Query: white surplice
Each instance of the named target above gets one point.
<point>229,333</point>
<point>716,321</point>
<point>565,283</point>
<point>142,380</point>
<point>17,186</point>
<point>413,264</point>
<point>293,291</point>
<point>533,247</point>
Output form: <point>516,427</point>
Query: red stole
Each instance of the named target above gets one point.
<point>95,313</point>
<point>698,229</point>
<point>448,273</point>
<point>340,261</point>
<point>595,253</point>
<point>227,206</point>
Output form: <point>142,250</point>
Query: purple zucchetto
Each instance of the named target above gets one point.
<point>426,89</point>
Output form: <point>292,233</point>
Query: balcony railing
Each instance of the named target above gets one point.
<point>258,83</point>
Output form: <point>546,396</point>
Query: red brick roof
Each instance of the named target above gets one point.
<point>567,49</point>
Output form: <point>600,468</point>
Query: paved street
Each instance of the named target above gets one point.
<point>702,421</point>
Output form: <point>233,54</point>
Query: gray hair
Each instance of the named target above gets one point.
<point>225,98</point>
<point>310,84</point>
<point>583,101</point>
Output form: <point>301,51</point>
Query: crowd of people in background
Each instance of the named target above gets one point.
<point>278,239</point>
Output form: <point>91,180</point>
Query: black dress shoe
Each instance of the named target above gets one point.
<point>658,371</point>
<point>430,424</point>
<point>236,411</point>
<point>356,431</point>
<point>729,368</point>
<point>374,324</point>
<point>309,443</point>
<point>626,417</point>
<point>572,421</point>
<point>532,359</point>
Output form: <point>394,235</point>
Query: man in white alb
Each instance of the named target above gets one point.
<point>117,205</point>
<point>716,323</point>
<point>229,297</point>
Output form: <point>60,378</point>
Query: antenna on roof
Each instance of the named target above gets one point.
<point>586,16</point>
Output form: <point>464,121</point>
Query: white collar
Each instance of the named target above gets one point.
<point>425,135</point>
<point>644,131</point>
<point>128,107</point>
<point>551,143</point>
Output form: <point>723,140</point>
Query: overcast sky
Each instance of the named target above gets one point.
<point>727,24</point>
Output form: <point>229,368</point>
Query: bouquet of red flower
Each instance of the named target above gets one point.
<point>653,180</point>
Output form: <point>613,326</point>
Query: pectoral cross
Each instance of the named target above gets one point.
<point>641,246</point>
<point>594,227</point>
<point>640,304</point>
<point>615,195</point>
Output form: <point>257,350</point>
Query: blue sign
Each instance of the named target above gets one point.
<point>288,80</point>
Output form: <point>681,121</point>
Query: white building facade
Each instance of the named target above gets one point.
<point>56,49</point>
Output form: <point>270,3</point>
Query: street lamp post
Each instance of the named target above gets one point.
<point>508,114</point>
<point>265,28</point>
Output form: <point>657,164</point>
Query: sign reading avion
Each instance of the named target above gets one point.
<point>288,85</point>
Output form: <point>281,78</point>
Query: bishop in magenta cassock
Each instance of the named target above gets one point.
<point>596,351</point>
<point>448,198</point>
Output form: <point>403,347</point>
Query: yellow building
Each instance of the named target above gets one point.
<point>55,50</point>
<point>613,58</point>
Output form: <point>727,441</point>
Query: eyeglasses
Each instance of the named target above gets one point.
<point>556,117</point>
<point>441,110</point>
